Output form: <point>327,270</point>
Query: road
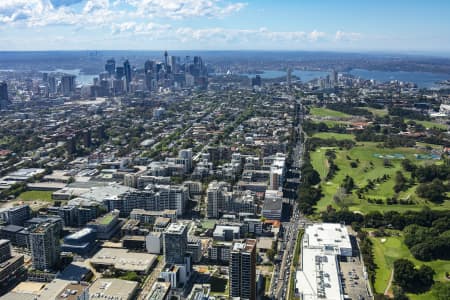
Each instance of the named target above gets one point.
<point>150,280</point>
<point>281,276</point>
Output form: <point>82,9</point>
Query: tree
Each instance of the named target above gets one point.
<point>348,184</point>
<point>408,166</point>
<point>434,191</point>
<point>399,293</point>
<point>404,273</point>
<point>400,182</point>
<point>411,279</point>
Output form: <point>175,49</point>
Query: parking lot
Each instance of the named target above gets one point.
<point>355,286</point>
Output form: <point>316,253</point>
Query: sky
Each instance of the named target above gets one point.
<point>406,26</point>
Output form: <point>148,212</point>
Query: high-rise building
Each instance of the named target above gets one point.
<point>19,214</point>
<point>256,81</point>
<point>4,99</point>
<point>52,84</point>
<point>120,72</point>
<point>44,245</point>
<point>175,243</point>
<point>289,77</point>
<point>68,85</point>
<point>243,270</point>
<point>11,267</point>
<point>127,72</point>
<point>216,198</point>
<point>110,66</point>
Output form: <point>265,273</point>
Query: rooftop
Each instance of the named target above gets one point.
<point>122,259</point>
<point>175,228</point>
<point>104,288</point>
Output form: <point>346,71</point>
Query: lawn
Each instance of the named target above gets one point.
<point>325,112</point>
<point>208,224</point>
<point>36,195</point>
<point>429,124</point>
<point>393,248</point>
<point>377,112</point>
<point>369,167</point>
<point>332,123</point>
<point>106,219</point>
<point>337,136</point>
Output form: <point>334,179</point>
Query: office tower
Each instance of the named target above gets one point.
<point>5,250</point>
<point>51,84</point>
<point>334,77</point>
<point>11,267</point>
<point>4,99</point>
<point>243,270</point>
<point>44,246</point>
<point>175,243</point>
<point>289,77</point>
<point>186,156</point>
<point>256,81</point>
<point>18,215</point>
<point>68,85</point>
<point>166,62</point>
<point>110,66</point>
<point>127,71</point>
<point>120,72</point>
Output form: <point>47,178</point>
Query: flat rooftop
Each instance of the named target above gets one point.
<point>124,260</point>
<point>319,277</point>
<point>175,228</point>
<point>327,235</point>
<point>103,288</point>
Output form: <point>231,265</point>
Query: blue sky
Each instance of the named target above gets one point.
<point>345,25</point>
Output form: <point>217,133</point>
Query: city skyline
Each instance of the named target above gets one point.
<point>225,25</point>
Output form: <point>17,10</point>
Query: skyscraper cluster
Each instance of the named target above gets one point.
<point>172,72</point>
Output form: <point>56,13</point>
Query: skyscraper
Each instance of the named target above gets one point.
<point>44,244</point>
<point>175,243</point>
<point>68,85</point>
<point>166,62</point>
<point>216,198</point>
<point>110,66</point>
<point>243,270</point>
<point>4,99</point>
<point>127,71</point>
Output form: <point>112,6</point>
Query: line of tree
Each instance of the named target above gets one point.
<point>350,109</point>
<point>308,192</point>
<point>389,219</point>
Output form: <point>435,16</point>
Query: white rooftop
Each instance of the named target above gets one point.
<point>319,277</point>
<point>329,235</point>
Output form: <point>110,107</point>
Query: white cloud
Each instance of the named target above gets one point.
<point>347,36</point>
<point>316,35</point>
<point>180,9</point>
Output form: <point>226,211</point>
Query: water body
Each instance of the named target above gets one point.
<point>81,78</point>
<point>422,79</point>
<point>304,76</point>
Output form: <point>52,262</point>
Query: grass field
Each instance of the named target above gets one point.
<point>325,112</point>
<point>332,123</point>
<point>369,167</point>
<point>377,112</point>
<point>337,136</point>
<point>429,124</point>
<point>393,248</point>
<point>36,195</point>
